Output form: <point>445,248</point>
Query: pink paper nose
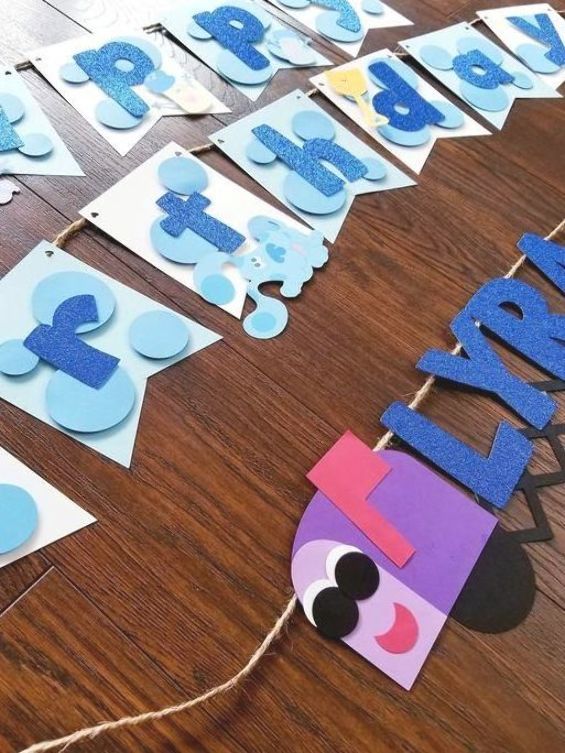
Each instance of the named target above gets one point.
<point>403,634</point>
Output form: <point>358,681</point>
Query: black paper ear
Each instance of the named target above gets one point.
<point>501,589</point>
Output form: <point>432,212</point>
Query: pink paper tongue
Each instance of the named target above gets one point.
<point>403,634</point>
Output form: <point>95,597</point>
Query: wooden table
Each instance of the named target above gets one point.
<point>188,566</point>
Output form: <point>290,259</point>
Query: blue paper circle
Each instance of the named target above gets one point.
<point>217,289</point>
<point>35,145</point>
<point>111,114</point>
<point>257,152</point>
<point>521,80</point>
<point>374,7</point>
<point>158,334</point>
<point>196,31</point>
<point>72,73</point>
<point>309,124</point>
<point>453,116</point>
<point>158,82</point>
<point>491,100</point>
<point>18,517</point>
<point>535,57</point>
<point>13,107</point>
<point>182,175</point>
<point>187,248</point>
<point>376,168</point>
<point>16,359</point>
<point>468,44</point>
<point>55,289</point>
<point>327,25</point>
<point>405,138</point>
<point>77,407</point>
<point>304,196</point>
<point>230,66</point>
<point>437,57</point>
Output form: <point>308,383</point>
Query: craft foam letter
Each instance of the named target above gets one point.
<point>545,33</point>
<point>494,477</point>
<point>536,333</point>
<point>489,76</point>
<point>307,160</point>
<point>101,66</point>
<point>190,214</point>
<point>348,18</point>
<point>397,92</point>
<point>59,345</point>
<point>9,139</point>
<point>236,30</point>
<point>346,475</point>
<point>549,257</point>
<point>484,369</point>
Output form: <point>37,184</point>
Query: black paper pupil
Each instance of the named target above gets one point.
<point>335,615</point>
<point>357,576</point>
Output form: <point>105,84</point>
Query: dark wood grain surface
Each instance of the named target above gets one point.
<point>188,566</point>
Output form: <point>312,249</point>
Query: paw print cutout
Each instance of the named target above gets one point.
<point>310,186</point>
<point>478,65</point>
<point>12,114</point>
<point>116,68</point>
<point>291,47</point>
<point>283,255</point>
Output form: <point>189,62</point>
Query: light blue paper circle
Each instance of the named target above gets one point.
<point>230,66</point>
<point>304,196</point>
<point>16,359</point>
<point>437,57</point>
<point>182,175</point>
<point>77,407</point>
<point>13,107</point>
<point>468,44</point>
<point>111,114</point>
<point>521,80</point>
<point>18,517</point>
<point>55,289</point>
<point>491,100</point>
<point>187,248</point>
<point>159,334</point>
<point>534,56</point>
<point>326,24</point>
<point>35,145</point>
<point>158,82</point>
<point>374,7</point>
<point>72,73</point>
<point>453,116</point>
<point>405,138</point>
<point>196,31</point>
<point>217,289</point>
<point>309,124</point>
<point>257,152</point>
<point>376,169</point>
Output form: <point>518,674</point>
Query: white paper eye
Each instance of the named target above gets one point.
<point>310,594</point>
<point>334,557</point>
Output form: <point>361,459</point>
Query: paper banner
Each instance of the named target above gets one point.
<point>91,384</point>
<point>477,70</point>
<point>351,590</point>
<point>410,135</point>
<point>303,135</point>
<point>249,56</point>
<point>343,22</point>
<point>29,145</point>
<point>266,249</point>
<point>535,34</point>
<point>122,83</point>
<point>33,514</point>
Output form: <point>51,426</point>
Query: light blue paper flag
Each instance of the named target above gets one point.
<point>307,160</point>
<point>477,70</point>
<point>65,327</point>
<point>241,41</point>
<point>29,145</point>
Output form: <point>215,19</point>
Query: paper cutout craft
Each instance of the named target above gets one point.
<point>346,475</point>
<point>33,514</point>
<point>351,83</point>
<point>350,590</point>
<point>122,84</point>
<point>29,145</point>
<point>272,245</point>
<point>343,22</point>
<point>417,113</point>
<point>535,34</point>
<point>286,146</point>
<point>241,41</point>
<point>477,70</point>
<point>7,191</point>
<point>77,348</point>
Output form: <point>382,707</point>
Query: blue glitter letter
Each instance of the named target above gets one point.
<point>484,369</point>
<point>545,33</point>
<point>548,256</point>
<point>59,345</point>
<point>398,92</point>
<point>237,39</point>
<point>493,477</point>
<point>100,66</point>
<point>9,139</point>
<point>348,18</point>
<point>306,161</point>
<point>190,214</point>
<point>492,75</point>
